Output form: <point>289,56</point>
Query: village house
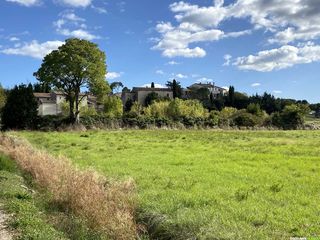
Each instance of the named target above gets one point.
<point>50,103</point>
<point>139,94</point>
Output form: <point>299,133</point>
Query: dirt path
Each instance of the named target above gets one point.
<point>5,233</point>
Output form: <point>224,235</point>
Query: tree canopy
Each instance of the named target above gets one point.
<point>75,65</point>
<point>20,110</point>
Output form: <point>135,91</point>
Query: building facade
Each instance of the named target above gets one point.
<point>50,103</point>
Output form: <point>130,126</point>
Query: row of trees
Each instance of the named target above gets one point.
<point>80,64</point>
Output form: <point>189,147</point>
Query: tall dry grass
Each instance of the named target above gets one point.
<point>105,206</point>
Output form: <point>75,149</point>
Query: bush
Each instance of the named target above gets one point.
<point>158,109</point>
<point>292,117</point>
<point>244,119</point>
<point>179,109</point>
<point>21,109</point>
<point>112,107</point>
<point>226,116</point>
<point>213,119</point>
<point>254,108</point>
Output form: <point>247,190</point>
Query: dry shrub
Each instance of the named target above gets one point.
<point>105,206</point>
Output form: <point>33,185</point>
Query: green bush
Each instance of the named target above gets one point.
<point>245,119</point>
<point>157,109</point>
<point>186,109</point>
<point>112,107</point>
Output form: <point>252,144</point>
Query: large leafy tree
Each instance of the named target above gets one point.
<point>20,110</point>
<point>75,65</point>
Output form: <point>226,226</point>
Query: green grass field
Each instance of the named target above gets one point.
<point>208,184</point>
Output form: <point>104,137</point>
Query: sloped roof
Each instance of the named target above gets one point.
<point>42,95</point>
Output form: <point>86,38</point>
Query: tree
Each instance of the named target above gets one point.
<point>3,97</point>
<point>75,65</point>
<point>151,97</point>
<point>175,87</point>
<point>230,98</point>
<point>41,88</point>
<point>20,110</point>
<point>115,86</point>
<point>152,85</point>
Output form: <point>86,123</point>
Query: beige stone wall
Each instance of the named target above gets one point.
<point>143,94</point>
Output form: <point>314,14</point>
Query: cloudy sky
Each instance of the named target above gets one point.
<point>256,45</point>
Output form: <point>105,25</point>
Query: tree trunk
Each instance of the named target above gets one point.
<point>77,117</point>
<point>71,113</point>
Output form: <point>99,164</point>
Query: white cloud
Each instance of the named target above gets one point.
<point>195,25</point>
<point>156,85</point>
<point>113,75</point>
<point>255,84</point>
<point>180,75</point>
<point>160,72</point>
<point>27,3</point>
<point>184,52</point>
<point>76,3</point>
<point>78,33</point>
<point>100,10</point>
<point>13,39</point>
<point>205,80</point>
<point>227,59</point>
<point>173,63</point>
<point>279,58</point>
<point>288,21</point>
<point>71,25</point>
<point>34,49</point>
<point>277,91</point>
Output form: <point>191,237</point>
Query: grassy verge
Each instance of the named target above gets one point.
<point>28,220</point>
<point>208,184</point>
<point>82,204</point>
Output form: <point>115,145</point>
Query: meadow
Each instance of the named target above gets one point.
<point>207,184</point>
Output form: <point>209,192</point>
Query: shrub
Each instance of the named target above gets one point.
<point>292,117</point>
<point>157,109</point>
<point>20,110</point>
<point>186,109</point>
<point>244,119</point>
<point>226,116</point>
<point>213,119</point>
<point>254,108</point>
<point>151,97</point>
<point>136,110</point>
<point>112,107</point>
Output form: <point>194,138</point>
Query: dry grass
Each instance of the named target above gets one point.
<point>105,206</point>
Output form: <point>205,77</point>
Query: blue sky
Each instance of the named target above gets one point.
<point>256,46</point>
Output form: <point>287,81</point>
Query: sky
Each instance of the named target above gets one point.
<point>257,46</point>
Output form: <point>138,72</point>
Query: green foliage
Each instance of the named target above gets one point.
<point>115,86</point>
<point>157,109</point>
<point>226,116</point>
<point>207,184</point>
<point>76,64</point>
<point>245,119</point>
<point>3,98</point>
<point>151,97</point>
<point>186,109</point>
<point>20,110</point>
<point>175,87</point>
<point>254,108</point>
<point>128,105</point>
<point>136,110</point>
<point>213,118</point>
<point>112,107</point>
<point>292,117</point>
